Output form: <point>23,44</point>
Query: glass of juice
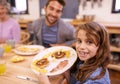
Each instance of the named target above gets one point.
<point>2,67</point>
<point>11,42</point>
<point>7,48</point>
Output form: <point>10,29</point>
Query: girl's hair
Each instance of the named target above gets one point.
<point>102,57</point>
<point>5,4</point>
<point>62,2</point>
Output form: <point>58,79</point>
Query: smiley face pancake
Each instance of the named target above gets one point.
<point>58,54</point>
<point>42,63</point>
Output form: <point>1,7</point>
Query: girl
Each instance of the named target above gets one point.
<point>93,49</point>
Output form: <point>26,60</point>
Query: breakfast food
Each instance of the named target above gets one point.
<point>60,66</point>
<point>58,54</point>
<point>53,61</point>
<point>61,53</point>
<point>42,63</point>
<point>16,59</point>
<point>25,49</point>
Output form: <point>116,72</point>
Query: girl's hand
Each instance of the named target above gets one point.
<point>43,79</point>
<point>67,76</point>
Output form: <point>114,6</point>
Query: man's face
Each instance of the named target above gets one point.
<point>53,12</point>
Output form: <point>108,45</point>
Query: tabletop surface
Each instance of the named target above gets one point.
<point>22,68</point>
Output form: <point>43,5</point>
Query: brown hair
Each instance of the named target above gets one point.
<point>62,2</point>
<point>102,58</point>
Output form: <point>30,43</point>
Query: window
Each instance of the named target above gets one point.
<point>18,6</point>
<point>116,6</point>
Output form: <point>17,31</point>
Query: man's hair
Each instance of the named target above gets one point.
<point>62,2</point>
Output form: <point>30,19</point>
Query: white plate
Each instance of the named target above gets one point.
<point>54,62</point>
<point>28,49</point>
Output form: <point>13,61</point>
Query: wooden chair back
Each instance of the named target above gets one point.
<point>24,39</point>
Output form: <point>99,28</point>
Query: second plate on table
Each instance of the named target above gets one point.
<point>28,49</point>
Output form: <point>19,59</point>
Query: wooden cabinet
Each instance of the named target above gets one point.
<point>113,28</point>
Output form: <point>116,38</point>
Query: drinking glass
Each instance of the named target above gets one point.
<point>11,42</point>
<point>7,48</point>
<point>2,67</point>
<point>1,51</point>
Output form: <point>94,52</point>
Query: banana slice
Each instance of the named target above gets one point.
<point>16,59</point>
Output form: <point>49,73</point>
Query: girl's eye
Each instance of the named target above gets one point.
<point>89,42</point>
<point>78,41</point>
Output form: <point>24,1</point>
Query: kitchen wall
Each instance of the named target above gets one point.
<point>102,13</point>
<point>34,11</point>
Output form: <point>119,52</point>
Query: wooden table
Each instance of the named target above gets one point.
<point>22,68</point>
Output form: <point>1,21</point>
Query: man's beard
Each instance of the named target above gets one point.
<point>51,23</point>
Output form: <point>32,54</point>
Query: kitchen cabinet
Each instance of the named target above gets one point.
<point>114,29</point>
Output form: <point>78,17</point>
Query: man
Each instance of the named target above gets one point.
<point>51,30</point>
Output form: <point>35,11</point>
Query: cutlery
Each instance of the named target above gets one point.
<point>27,78</point>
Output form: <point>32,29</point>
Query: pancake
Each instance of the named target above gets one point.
<point>42,63</point>
<point>58,54</point>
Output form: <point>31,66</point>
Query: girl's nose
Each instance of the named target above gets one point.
<point>82,45</point>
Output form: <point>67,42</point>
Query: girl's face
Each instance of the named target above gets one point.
<point>85,47</point>
<point>3,11</point>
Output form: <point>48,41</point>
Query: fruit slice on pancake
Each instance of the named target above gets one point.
<point>61,53</point>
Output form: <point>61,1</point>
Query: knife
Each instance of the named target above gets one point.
<point>27,78</point>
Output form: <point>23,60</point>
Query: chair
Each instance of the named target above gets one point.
<point>24,39</point>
